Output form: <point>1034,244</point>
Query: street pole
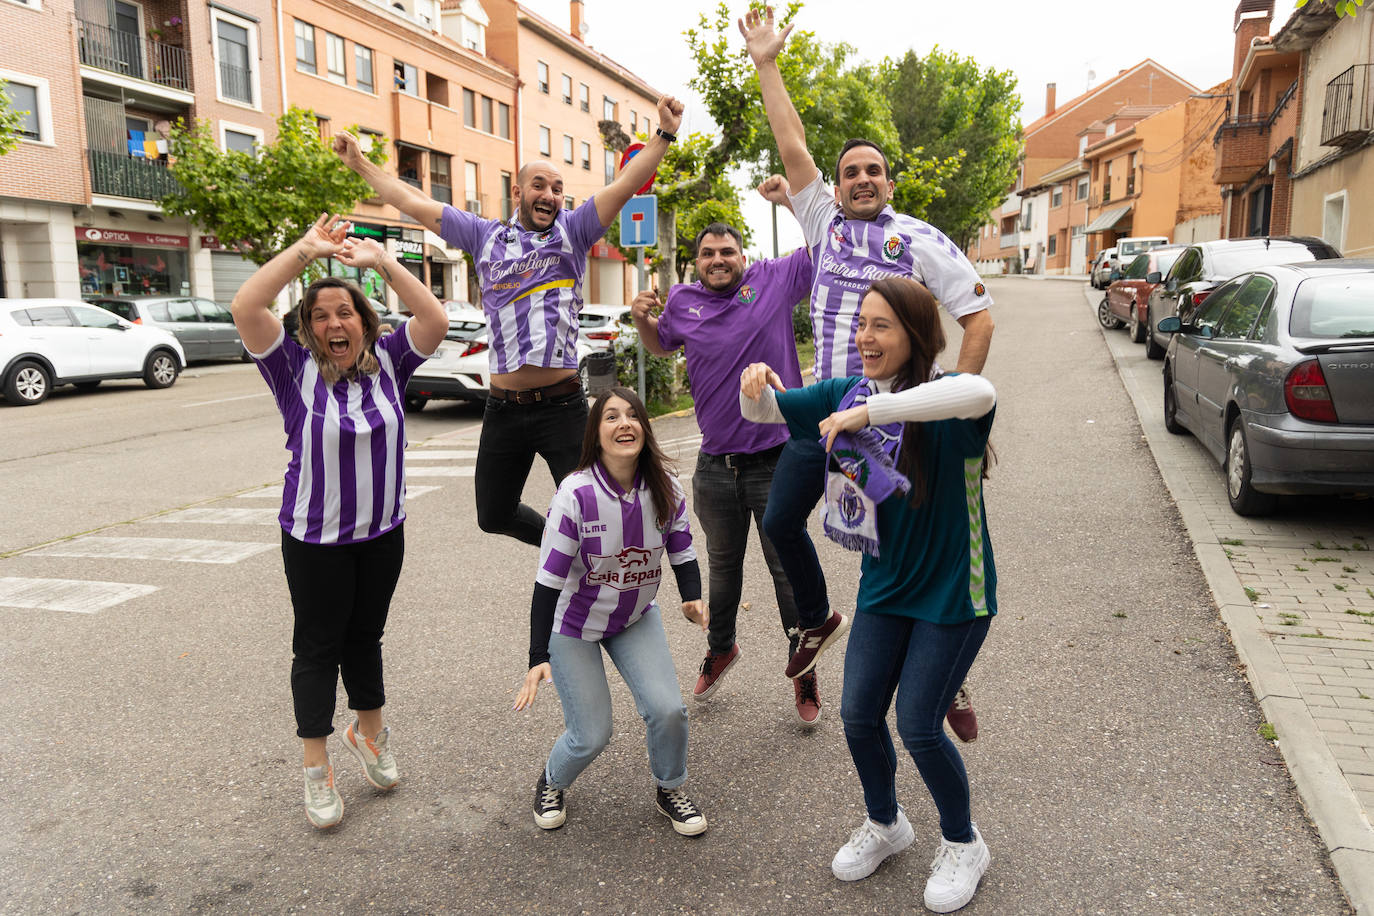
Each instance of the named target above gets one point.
<point>639,341</point>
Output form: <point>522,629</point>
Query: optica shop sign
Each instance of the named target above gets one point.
<point>121,237</point>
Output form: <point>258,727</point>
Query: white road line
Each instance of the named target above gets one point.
<point>177,550</point>
<point>273,491</point>
<point>206,516</point>
<point>419,454</point>
<point>75,595</point>
<point>242,397</point>
<point>424,471</point>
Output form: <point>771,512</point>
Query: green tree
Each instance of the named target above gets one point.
<point>965,118</point>
<point>1342,7</point>
<point>11,120</point>
<point>261,203</point>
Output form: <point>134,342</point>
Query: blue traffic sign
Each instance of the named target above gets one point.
<point>639,222</point>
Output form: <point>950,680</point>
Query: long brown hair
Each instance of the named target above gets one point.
<point>919,315</point>
<point>654,467</point>
<point>367,361</point>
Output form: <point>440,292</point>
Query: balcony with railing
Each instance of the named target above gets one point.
<point>236,83</point>
<point>1241,148</point>
<point>1348,116</point>
<point>131,55</point>
<point>122,175</point>
<point>1009,240</point>
<point>440,192</point>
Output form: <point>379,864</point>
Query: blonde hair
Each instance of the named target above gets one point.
<point>366,363</point>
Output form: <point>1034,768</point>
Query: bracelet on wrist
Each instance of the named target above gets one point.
<point>665,135</point>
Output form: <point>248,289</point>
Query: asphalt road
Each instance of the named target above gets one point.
<point>153,765</point>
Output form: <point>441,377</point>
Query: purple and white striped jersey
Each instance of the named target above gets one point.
<point>531,282</point>
<point>603,550</point>
<point>345,481</point>
<point>849,254</point>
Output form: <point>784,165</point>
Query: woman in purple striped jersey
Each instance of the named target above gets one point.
<point>340,389</point>
<point>600,565</point>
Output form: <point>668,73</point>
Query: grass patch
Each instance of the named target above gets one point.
<point>1300,568</point>
<point>1233,542</point>
<point>1349,569</point>
<point>1323,560</point>
<point>1251,594</point>
<point>1288,620</point>
<point>1339,586</point>
<point>1266,731</point>
<point>1319,545</point>
<point>1351,610</point>
<point>1318,635</point>
<point>1118,613</point>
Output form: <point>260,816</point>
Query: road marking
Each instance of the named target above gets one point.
<point>437,455</point>
<point>273,491</point>
<point>75,595</point>
<point>179,550</point>
<point>220,516</point>
<point>422,471</point>
<point>242,397</point>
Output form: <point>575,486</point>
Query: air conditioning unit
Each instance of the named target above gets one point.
<point>474,207</point>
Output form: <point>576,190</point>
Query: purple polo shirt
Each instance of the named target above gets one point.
<point>726,331</point>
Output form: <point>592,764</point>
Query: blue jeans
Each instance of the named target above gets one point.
<point>725,498</point>
<point>640,653</point>
<point>798,485</point>
<point>924,664</point>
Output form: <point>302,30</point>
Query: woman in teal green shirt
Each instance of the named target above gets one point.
<point>908,458</point>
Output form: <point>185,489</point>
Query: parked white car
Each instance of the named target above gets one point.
<point>45,343</point>
<point>600,326</point>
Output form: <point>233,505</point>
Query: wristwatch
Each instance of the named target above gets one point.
<point>665,135</point>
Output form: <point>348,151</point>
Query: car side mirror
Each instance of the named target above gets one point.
<point>1171,325</point>
<point>1153,276</point>
<point>1171,286</point>
<point>1115,275</point>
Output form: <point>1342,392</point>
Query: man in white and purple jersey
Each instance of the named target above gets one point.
<point>735,314</point>
<point>530,268</point>
<point>855,238</point>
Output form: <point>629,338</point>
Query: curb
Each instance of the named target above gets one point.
<point>1328,798</point>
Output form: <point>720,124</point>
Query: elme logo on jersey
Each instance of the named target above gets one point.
<point>631,568</point>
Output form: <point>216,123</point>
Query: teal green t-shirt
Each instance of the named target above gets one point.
<point>935,561</point>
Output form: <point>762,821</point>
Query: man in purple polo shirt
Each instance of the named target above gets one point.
<point>855,237</point>
<point>530,268</point>
<point>734,315</point>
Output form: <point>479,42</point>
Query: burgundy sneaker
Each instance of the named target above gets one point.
<point>713,668</point>
<point>814,642</point>
<point>961,716</point>
<point>808,699</point>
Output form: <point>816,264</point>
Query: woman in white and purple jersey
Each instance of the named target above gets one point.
<point>340,389</point>
<point>600,565</point>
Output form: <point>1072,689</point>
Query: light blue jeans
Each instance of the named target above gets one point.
<point>640,653</point>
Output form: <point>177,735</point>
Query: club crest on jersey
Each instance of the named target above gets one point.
<point>837,235</point>
<point>893,247</point>
<point>625,570</point>
<point>544,236</point>
<point>747,294</point>
<point>979,289</point>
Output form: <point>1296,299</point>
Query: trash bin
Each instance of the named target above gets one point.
<point>598,372</point>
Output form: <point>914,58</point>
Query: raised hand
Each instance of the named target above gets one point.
<point>644,304</point>
<point>539,674</point>
<point>774,188</point>
<point>325,237</point>
<point>347,148</point>
<point>761,38</point>
<point>361,253</point>
<point>756,377</point>
<point>669,114</point>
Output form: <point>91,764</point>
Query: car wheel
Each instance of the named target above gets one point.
<point>1105,316</point>
<point>584,376</point>
<point>161,369</point>
<point>1137,328</point>
<point>88,386</point>
<point>1245,499</point>
<point>1171,407</point>
<point>415,403</point>
<point>1152,349</point>
<point>28,383</point>
<point>244,356</point>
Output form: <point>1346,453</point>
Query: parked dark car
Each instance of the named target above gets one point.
<point>1274,374</point>
<point>1129,294</point>
<point>1206,265</point>
<point>204,327</point>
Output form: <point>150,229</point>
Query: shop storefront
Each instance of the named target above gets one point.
<point>410,251</point>
<point>116,262</point>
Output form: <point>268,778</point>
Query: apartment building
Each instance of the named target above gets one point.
<point>103,81</point>
<point>421,77</point>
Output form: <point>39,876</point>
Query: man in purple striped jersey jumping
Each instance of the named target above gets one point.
<point>530,268</point>
<point>855,238</point>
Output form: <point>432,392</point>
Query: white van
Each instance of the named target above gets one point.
<point>1127,249</point>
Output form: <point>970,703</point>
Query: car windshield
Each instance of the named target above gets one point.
<point>1227,262</point>
<point>1334,307</point>
<point>1165,259</point>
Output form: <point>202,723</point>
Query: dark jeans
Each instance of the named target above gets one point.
<point>340,594</point>
<point>924,664</point>
<point>512,434</point>
<point>798,485</point>
<point>725,498</point>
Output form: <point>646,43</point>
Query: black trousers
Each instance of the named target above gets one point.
<point>340,594</point>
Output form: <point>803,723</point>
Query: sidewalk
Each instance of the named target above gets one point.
<point>1296,592</point>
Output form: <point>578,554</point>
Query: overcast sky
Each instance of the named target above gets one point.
<point>1076,45</point>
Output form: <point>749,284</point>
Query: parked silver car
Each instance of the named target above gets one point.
<point>1274,373</point>
<point>204,327</point>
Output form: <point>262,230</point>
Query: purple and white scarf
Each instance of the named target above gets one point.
<point>860,473</point>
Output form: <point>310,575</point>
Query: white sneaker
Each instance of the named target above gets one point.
<point>870,845</point>
<point>955,873</point>
<point>323,805</point>
<point>379,764</point>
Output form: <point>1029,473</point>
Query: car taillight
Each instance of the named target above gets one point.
<point>476,346</point>
<point>1199,296</point>
<point>138,321</point>
<point>601,335</point>
<point>1305,392</point>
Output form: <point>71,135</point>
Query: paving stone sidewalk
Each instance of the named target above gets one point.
<point>1297,592</point>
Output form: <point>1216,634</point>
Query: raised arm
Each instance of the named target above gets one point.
<point>252,305</point>
<point>610,199</point>
<point>764,42</point>
<point>429,321</point>
<point>645,322</point>
<point>404,197</point>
